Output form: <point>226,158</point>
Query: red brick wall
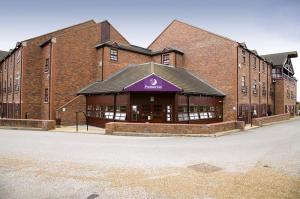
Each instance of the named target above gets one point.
<point>74,64</point>
<point>44,125</point>
<point>172,128</point>
<point>205,54</point>
<point>125,58</point>
<point>67,112</point>
<point>266,120</point>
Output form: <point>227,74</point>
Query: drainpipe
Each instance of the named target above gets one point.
<point>49,82</point>
<point>259,89</point>
<point>250,90</point>
<point>237,83</point>
<point>188,102</point>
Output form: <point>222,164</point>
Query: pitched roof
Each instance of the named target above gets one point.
<point>131,74</point>
<point>278,59</point>
<point>2,54</point>
<point>137,49</point>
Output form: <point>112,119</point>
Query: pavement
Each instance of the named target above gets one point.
<point>39,164</point>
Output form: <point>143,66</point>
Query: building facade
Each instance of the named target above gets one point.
<point>41,77</point>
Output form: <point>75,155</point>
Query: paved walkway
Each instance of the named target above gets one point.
<point>63,165</point>
<point>81,129</point>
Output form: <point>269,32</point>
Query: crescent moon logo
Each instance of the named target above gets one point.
<point>153,82</point>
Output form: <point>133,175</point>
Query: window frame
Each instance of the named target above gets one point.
<point>47,65</point>
<point>165,61</point>
<point>46,95</point>
<point>113,55</point>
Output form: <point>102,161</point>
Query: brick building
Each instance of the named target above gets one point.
<point>41,77</point>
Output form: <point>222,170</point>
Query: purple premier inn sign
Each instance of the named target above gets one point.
<point>153,83</point>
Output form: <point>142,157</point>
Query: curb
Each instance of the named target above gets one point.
<point>174,135</point>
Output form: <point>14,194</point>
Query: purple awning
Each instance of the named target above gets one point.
<point>153,83</point>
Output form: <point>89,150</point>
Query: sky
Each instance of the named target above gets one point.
<point>269,26</point>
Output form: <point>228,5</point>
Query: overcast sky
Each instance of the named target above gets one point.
<point>269,26</point>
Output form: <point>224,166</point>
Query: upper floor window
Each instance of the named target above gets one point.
<point>46,95</point>
<point>244,56</point>
<point>166,59</point>
<point>243,81</point>
<point>263,67</point>
<point>18,56</point>
<point>5,86</point>
<point>113,55</point>
<point>10,85</point>
<point>17,82</point>
<point>46,68</point>
<point>254,62</point>
<point>276,72</point>
<point>254,86</point>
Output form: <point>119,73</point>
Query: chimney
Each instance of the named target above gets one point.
<point>105,31</point>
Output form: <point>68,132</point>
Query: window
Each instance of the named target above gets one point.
<point>10,85</point>
<point>18,56</point>
<point>288,95</point>
<point>46,68</point>
<point>169,113</point>
<point>5,86</point>
<point>263,67</point>
<point>17,82</point>
<point>276,73</point>
<point>254,62</point>
<point>46,97</point>
<point>194,113</point>
<point>89,110</point>
<point>264,91</point>
<point>244,81</point>
<point>109,112</point>
<point>254,86</point>
<point>166,59</point>
<point>244,56</point>
<point>113,55</point>
<point>271,90</point>
<point>121,113</point>
<point>183,113</point>
<point>134,113</point>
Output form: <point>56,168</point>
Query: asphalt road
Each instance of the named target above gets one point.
<point>25,157</point>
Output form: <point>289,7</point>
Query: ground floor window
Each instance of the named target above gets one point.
<point>134,113</point>
<point>183,113</point>
<point>120,113</point>
<point>207,112</point>
<point>109,112</point>
<point>194,113</point>
<point>169,113</point>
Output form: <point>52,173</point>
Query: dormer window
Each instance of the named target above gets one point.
<point>166,59</point>
<point>113,55</point>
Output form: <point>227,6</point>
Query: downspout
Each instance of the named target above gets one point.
<point>115,106</point>
<point>188,103</point>
<point>102,76</point>
<point>49,82</point>
<point>259,89</point>
<point>267,87</point>
<point>250,89</point>
<point>21,80</point>
<point>237,83</point>
<point>7,83</point>
<point>13,88</point>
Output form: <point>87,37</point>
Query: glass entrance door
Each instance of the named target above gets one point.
<point>151,113</point>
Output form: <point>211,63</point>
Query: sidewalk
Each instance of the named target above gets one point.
<point>81,129</point>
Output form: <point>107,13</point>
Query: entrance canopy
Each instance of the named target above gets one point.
<point>152,77</point>
<point>153,83</point>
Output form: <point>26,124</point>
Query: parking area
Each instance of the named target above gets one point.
<point>258,163</point>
